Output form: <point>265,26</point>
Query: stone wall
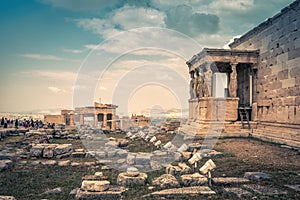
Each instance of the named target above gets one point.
<point>57,119</point>
<point>277,83</point>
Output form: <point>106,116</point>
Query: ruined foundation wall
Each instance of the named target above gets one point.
<point>57,119</point>
<point>278,75</point>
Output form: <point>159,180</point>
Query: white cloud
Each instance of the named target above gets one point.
<point>51,74</point>
<point>122,19</point>
<point>98,26</point>
<point>47,57</point>
<point>226,46</point>
<point>213,40</point>
<point>56,89</point>
<point>91,46</point>
<point>231,5</point>
<point>131,17</point>
<point>76,51</point>
<point>42,57</point>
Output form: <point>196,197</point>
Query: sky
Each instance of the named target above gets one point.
<point>59,54</point>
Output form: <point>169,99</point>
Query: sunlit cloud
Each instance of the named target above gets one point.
<point>42,57</point>
<point>56,89</point>
<point>76,51</point>
<point>58,75</point>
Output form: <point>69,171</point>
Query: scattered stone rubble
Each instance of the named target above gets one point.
<point>193,179</point>
<point>7,197</point>
<point>51,150</point>
<point>182,168</point>
<point>165,181</point>
<point>5,164</point>
<point>180,179</point>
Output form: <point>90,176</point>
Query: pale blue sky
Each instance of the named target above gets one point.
<point>44,42</point>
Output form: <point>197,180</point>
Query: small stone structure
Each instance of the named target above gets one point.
<point>132,177</point>
<point>102,115</point>
<point>66,117</point>
<point>97,187</point>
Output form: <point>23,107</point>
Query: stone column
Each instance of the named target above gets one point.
<point>81,119</point>
<point>113,121</point>
<point>104,121</point>
<point>72,123</point>
<point>95,120</point>
<point>192,84</point>
<point>192,89</point>
<point>233,81</point>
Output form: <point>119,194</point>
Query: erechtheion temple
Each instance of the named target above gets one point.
<point>255,84</point>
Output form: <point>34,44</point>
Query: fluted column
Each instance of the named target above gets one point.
<point>104,125</point>
<point>81,119</point>
<point>233,81</point>
<point>113,121</point>
<point>72,123</point>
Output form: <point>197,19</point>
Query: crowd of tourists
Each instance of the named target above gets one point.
<point>26,123</point>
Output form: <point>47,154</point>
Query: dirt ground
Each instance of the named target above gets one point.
<point>258,153</point>
<point>239,156</point>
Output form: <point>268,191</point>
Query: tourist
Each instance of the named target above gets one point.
<point>5,123</point>
<point>40,124</point>
<point>16,123</point>
<point>2,121</point>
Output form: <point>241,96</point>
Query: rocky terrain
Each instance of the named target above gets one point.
<point>87,163</point>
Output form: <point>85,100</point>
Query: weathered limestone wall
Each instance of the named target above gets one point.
<point>57,119</point>
<point>278,76</point>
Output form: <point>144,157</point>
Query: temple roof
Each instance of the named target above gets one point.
<point>208,55</point>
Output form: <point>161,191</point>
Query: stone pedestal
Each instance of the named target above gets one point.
<point>132,177</point>
<point>214,109</point>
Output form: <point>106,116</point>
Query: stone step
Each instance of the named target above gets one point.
<point>272,138</point>
<point>113,192</point>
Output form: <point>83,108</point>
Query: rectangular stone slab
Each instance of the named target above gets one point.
<point>229,180</point>
<point>194,190</point>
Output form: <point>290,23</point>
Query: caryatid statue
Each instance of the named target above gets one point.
<point>192,88</point>
<point>196,93</point>
<point>200,86</point>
